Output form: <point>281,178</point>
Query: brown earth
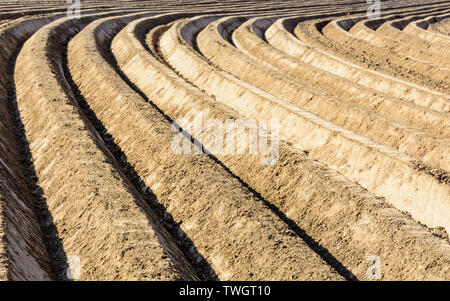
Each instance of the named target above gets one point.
<point>442,27</point>
<point>90,108</point>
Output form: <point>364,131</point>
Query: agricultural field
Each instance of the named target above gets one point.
<point>225,140</point>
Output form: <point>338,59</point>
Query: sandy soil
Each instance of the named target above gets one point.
<point>88,172</point>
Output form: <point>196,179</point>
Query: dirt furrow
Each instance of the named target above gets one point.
<point>249,39</point>
<point>279,37</point>
<point>442,27</point>
<point>316,33</point>
<point>419,27</point>
<point>374,166</point>
<point>300,189</point>
<point>365,30</point>
<point>93,208</point>
<point>394,29</point>
<point>374,126</point>
<point>203,140</point>
<point>200,194</point>
<point>385,60</point>
<point>378,39</point>
<point>23,255</point>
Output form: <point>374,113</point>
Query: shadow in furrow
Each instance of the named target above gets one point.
<point>202,268</point>
<point>316,247</point>
<point>57,256</point>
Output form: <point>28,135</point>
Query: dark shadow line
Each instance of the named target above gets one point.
<point>198,262</point>
<point>316,247</point>
<point>57,256</point>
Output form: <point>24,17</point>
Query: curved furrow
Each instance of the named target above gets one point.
<point>7,18</point>
<point>355,156</point>
<point>279,37</point>
<point>365,30</point>
<point>188,105</point>
<point>300,198</point>
<point>249,38</point>
<point>320,34</point>
<point>94,209</point>
<point>30,10</point>
<point>419,27</point>
<point>380,129</point>
<point>23,255</point>
<point>15,14</point>
<point>394,30</point>
<point>368,55</point>
<point>392,60</point>
<point>202,140</point>
<point>442,27</point>
<point>252,242</point>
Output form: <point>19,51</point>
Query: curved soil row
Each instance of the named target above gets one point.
<point>366,30</point>
<point>133,187</point>
<point>279,37</point>
<point>333,37</point>
<point>362,160</point>
<point>384,59</point>
<point>394,29</point>
<point>23,255</point>
<point>297,185</point>
<point>236,233</point>
<point>93,208</point>
<point>442,27</point>
<point>418,28</point>
<point>249,38</point>
<point>400,19</point>
<point>419,89</point>
<point>375,126</point>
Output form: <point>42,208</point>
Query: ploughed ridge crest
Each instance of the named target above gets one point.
<point>116,161</point>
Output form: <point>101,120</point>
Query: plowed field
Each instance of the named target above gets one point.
<point>224,140</point>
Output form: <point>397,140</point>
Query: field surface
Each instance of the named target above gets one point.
<point>349,180</point>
